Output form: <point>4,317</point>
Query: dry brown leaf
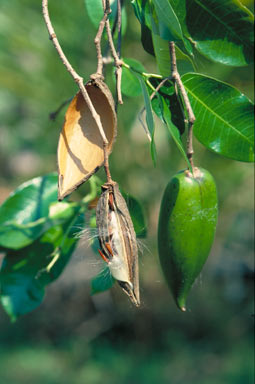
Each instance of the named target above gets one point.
<point>80,147</point>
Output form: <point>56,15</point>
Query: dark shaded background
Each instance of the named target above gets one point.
<point>73,337</point>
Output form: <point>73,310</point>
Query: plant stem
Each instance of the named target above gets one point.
<point>144,74</point>
<point>191,117</point>
<point>98,38</point>
<point>78,79</point>
<point>119,25</point>
<point>117,61</point>
<point>106,163</point>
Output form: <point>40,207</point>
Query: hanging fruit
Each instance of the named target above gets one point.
<point>187,223</point>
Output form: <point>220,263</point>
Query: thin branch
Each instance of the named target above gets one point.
<point>78,79</point>
<point>158,87</point>
<point>144,74</point>
<point>191,117</point>
<point>53,115</point>
<point>106,163</point>
<point>98,38</point>
<point>117,61</point>
<point>119,25</point>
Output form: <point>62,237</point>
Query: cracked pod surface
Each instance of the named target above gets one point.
<point>80,147</point>
<point>187,223</point>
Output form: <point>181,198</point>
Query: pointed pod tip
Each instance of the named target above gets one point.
<point>181,303</point>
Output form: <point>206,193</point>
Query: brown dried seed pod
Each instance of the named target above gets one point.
<point>80,147</point>
<point>117,239</point>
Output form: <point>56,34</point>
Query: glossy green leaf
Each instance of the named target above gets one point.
<point>224,117</point>
<point>95,12</point>
<point>25,215</point>
<point>167,20</point>
<point>25,273</point>
<point>130,85</point>
<point>221,30</point>
<point>102,282</point>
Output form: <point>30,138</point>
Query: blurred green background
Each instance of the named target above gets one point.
<point>73,337</point>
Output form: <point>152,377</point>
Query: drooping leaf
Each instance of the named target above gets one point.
<point>224,117</point>
<point>129,83</point>
<point>222,30</point>
<point>80,148</point>
<point>149,117</point>
<point>25,273</point>
<point>149,120</point>
<point>146,39</point>
<point>142,9</point>
<point>168,24</point>
<point>27,213</point>
<point>142,12</point>
<point>102,282</point>
<point>95,12</point>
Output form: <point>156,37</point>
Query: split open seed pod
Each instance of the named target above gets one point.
<point>80,147</point>
<point>117,240</point>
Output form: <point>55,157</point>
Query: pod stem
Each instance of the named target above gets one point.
<point>191,117</point>
<point>106,163</point>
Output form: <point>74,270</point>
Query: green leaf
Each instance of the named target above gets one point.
<point>102,282</point>
<point>167,19</point>
<point>25,273</point>
<point>224,117</point>
<point>137,215</point>
<point>149,117</point>
<point>221,30</point>
<point>142,12</point>
<point>129,83</point>
<point>95,12</point>
<point>161,48</point>
<point>146,39</point>
<point>25,215</point>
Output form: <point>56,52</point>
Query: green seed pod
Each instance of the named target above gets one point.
<point>187,222</point>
